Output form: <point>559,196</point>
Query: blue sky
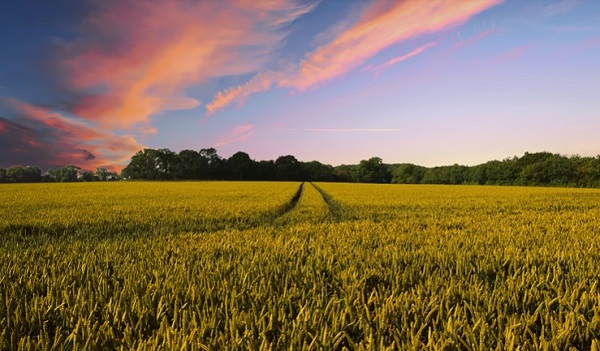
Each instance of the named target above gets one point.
<point>431,83</point>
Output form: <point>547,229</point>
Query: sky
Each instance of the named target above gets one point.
<point>430,82</point>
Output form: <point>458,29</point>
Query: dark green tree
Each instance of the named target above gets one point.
<point>152,165</point>
<point>191,165</point>
<point>20,174</point>
<point>288,168</point>
<point>315,171</point>
<point>345,173</point>
<point>265,170</point>
<point>240,166</point>
<point>215,163</point>
<point>103,174</point>
<point>86,176</point>
<point>68,173</point>
<point>372,171</point>
<point>553,170</point>
<point>408,173</point>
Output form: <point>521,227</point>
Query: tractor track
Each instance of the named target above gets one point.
<point>335,209</point>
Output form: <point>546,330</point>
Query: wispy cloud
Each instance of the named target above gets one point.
<point>380,25</point>
<point>134,59</point>
<point>49,139</point>
<point>130,60</point>
<point>459,41</point>
<point>383,24</point>
<point>261,82</point>
<point>560,7</point>
<point>512,54</point>
<point>347,130</point>
<point>237,134</point>
<point>398,59</point>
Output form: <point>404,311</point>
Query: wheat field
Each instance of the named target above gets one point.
<point>298,266</point>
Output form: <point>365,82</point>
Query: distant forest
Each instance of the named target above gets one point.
<point>531,169</point>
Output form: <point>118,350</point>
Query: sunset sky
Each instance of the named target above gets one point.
<point>427,82</point>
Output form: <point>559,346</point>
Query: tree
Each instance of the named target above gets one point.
<point>288,168</point>
<point>408,173</point>
<point>33,174</point>
<point>372,171</point>
<point>588,170</point>
<point>503,172</point>
<point>550,170</point>
<point>265,170</point>
<point>68,173</point>
<point>191,165</point>
<point>317,172</point>
<point>345,173</point>
<point>240,166</point>
<point>475,175</point>
<point>103,174</point>
<point>3,177</point>
<point>152,164</point>
<point>86,176</point>
<point>20,174</point>
<point>167,164</point>
<point>215,168</point>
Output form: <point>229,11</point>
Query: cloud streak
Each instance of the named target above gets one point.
<point>399,59</point>
<point>135,59</point>
<point>381,24</point>
<point>237,134</point>
<point>513,53</point>
<point>560,7</point>
<point>260,83</point>
<point>460,42</point>
<point>347,130</point>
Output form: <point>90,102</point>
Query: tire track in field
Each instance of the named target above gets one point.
<point>310,209</point>
<point>32,234</point>
<point>287,207</point>
<point>335,209</point>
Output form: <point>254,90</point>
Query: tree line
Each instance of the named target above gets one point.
<point>206,164</point>
<point>69,173</point>
<point>532,169</point>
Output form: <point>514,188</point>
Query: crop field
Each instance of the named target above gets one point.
<point>291,266</point>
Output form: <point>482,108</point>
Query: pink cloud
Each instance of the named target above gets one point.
<point>380,25</point>
<point>136,58</point>
<point>57,140</point>
<point>384,24</point>
<point>513,53</point>
<point>460,42</point>
<point>399,59</point>
<point>261,82</point>
<point>237,134</point>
